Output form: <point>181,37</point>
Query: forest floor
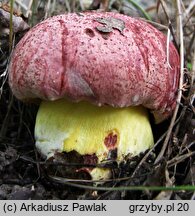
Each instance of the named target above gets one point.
<point>25,175</point>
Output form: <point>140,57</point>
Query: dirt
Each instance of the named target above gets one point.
<point>24,174</point>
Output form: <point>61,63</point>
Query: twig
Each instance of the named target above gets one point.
<point>170,129</point>
<point>11,25</point>
<point>190,7</point>
<point>191,44</point>
<point>47,9</point>
<point>193,69</point>
<point>189,16</point>
<point>123,188</point>
<point>158,25</point>
<point>152,149</point>
<point>147,155</point>
<point>192,87</point>
<point>168,20</point>
<point>163,4</point>
<point>26,6</point>
<point>5,122</point>
<point>68,6</point>
<point>4,76</point>
<point>167,50</point>
<point>179,159</point>
<point>104,5</point>
<point>81,5</point>
<point>73,5</point>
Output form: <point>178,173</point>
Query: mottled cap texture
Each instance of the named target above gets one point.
<point>105,58</point>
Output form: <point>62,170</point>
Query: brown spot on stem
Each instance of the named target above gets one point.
<point>111,140</point>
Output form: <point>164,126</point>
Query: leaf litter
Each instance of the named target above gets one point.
<point>24,174</point>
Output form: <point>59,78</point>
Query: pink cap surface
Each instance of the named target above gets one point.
<point>105,58</point>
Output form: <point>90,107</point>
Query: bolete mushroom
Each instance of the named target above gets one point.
<point>97,74</point>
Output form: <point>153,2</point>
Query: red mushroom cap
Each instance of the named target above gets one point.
<point>105,58</point>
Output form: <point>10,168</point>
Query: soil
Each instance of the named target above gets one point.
<point>24,174</point>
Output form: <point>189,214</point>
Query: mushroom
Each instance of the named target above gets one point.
<point>97,75</point>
